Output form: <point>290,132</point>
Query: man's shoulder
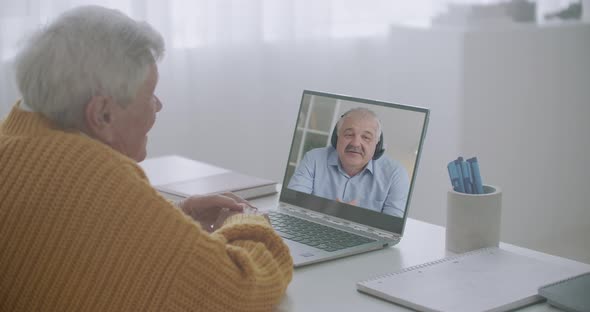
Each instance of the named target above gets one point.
<point>319,152</point>
<point>389,165</point>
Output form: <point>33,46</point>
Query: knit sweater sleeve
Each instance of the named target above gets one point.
<point>243,266</point>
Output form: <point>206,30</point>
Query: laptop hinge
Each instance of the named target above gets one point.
<point>334,220</point>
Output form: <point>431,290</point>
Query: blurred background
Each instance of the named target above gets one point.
<point>506,81</point>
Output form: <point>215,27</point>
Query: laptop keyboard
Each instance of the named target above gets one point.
<point>314,234</point>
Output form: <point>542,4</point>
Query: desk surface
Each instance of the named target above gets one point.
<point>331,286</point>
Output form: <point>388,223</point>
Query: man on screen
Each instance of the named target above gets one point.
<point>352,169</point>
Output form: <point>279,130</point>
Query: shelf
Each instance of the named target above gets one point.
<point>320,132</point>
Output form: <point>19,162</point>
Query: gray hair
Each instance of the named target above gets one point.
<point>87,51</point>
<point>363,112</point>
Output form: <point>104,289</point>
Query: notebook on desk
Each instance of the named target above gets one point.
<point>318,226</point>
<point>490,279</point>
<point>201,178</point>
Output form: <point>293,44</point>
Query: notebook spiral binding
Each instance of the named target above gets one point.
<point>427,264</point>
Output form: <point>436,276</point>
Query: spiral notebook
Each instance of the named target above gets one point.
<point>490,279</point>
<point>571,295</point>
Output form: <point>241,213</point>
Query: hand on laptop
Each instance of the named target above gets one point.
<point>212,210</point>
<point>254,211</point>
<point>249,208</point>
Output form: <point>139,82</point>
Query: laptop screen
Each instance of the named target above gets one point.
<point>355,159</point>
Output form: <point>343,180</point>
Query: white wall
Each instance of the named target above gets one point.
<point>527,105</point>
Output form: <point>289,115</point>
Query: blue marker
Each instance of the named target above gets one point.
<point>458,165</point>
<point>477,183</point>
<point>467,177</point>
<point>454,175</point>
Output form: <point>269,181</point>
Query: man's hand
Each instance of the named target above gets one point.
<point>211,211</point>
<point>353,202</point>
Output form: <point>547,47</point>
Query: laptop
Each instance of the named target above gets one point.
<point>327,212</point>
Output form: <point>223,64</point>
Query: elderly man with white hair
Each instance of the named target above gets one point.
<point>81,229</point>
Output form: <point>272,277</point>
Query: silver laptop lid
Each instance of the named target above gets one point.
<point>320,173</point>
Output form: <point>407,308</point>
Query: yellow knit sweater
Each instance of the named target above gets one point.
<point>81,229</point>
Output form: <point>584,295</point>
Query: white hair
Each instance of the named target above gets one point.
<point>363,112</point>
<point>87,51</point>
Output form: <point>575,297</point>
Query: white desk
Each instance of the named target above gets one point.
<point>331,286</point>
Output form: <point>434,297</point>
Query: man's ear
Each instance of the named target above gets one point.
<point>98,116</point>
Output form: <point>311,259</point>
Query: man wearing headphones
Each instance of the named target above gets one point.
<point>352,170</point>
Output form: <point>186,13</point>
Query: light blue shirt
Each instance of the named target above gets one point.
<point>382,186</point>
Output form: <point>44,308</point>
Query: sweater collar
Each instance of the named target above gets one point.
<point>22,122</point>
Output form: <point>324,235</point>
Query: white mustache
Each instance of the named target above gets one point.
<point>354,149</point>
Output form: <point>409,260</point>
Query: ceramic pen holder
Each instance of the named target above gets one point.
<point>473,220</point>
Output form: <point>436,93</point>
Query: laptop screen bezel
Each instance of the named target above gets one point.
<point>342,210</point>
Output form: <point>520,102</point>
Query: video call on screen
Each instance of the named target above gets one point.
<point>402,130</point>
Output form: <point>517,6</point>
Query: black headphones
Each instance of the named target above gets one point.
<point>379,150</point>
